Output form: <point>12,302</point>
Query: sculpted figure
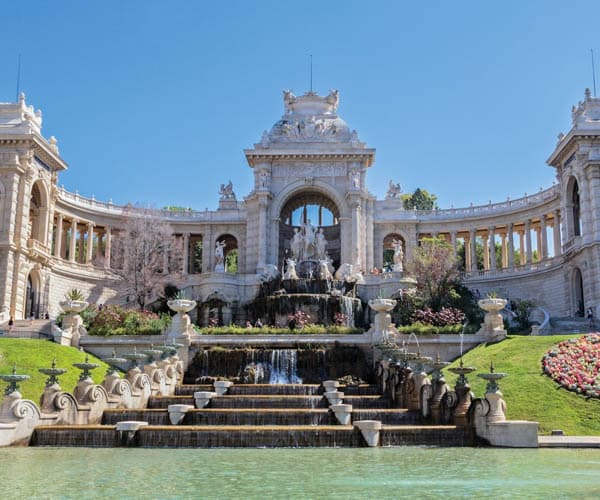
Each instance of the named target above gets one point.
<point>398,255</point>
<point>226,191</point>
<point>290,271</point>
<point>355,179</point>
<point>324,272</point>
<point>297,244</point>
<point>220,256</point>
<point>321,244</point>
<point>394,191</point>
<point>288,100</point>
<point>308,231</point>
<point>264,180</point>
<point>333,98</point>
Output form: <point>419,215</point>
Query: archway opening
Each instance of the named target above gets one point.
<point>578,300</point>
<point>573,202</point>
<point>230,252</point>
<point>32,299</point>
<point>36,206</point>
<point>389,249</point>
<point>316,218</point>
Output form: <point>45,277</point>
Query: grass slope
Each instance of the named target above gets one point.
<point>29,355</point>
<point>529,394</point>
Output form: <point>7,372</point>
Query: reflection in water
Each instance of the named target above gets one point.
<point>293,473</point>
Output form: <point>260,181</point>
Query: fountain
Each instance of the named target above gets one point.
<point>86,368</point>
<point>114,364</point>
<point>13,380</point>
<point>134,357</point>
<point>493,324</point>
<point>53,373</point>
<point>463,393</point>
<point>493,395</point>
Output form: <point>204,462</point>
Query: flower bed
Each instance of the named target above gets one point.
<point>575,365</point>
<point>271,330</point>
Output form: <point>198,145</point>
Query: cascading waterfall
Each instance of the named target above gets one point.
<point>284,367</point>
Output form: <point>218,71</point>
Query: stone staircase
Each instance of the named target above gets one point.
<point>29,329</point>
<point>570,324</point>
<point>256,415</point>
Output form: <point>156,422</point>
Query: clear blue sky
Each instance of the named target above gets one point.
<point>154,101</point>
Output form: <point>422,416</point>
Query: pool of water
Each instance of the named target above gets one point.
<point>299,473</point>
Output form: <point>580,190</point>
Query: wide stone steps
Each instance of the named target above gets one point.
<point>260,416</point>
<point>298,436</point>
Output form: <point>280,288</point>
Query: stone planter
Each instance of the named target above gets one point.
<point>202,398</point>
<point>342,412</point>
<point>221,386</point>
<point>334,397</point>
<point>177,413</point>
<point>370,431</point>
<point>330,385</point>
<point>181,306</point>
<point>181,326</point>
<point>382,326</point>
<point>492,322</point>
<point>73,306</point>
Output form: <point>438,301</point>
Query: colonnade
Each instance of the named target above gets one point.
<point>504,234</point>
<point>81,241</point>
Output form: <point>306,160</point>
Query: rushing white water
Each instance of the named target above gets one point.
<point>284,367</point>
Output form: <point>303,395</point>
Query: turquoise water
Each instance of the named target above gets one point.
<point>298,473</point>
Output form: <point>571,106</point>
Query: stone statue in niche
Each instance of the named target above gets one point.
<point>394,191</point>
<point>220,256</point>
<point>355,180</point>
<point>308,235</point>
<point>321,244</point>
<point>264,180</point>
<point>297,244</point>
<point>290,270</point>
<point>226,191</point>
<point>398,256</point>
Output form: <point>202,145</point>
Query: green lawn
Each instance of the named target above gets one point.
<point>29,355</point>
<point>529,394</point>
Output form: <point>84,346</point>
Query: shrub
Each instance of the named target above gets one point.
<point>423,329</point>
<point>444,317</point>
<point>313,329</point>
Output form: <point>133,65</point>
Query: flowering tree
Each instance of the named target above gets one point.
<point>435,268</point>
<point>146,246</point>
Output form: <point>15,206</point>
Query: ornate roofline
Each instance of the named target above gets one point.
<point>253,156</point>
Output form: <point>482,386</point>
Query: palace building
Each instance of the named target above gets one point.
<point>309,204</point>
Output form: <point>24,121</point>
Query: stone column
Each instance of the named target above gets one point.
<point>556,233</point>
<point>186,253</point>
<point>472,244</point>
<point>73,242</point>
<point>544,238</point>
<point>503,250</point>
<point>521,247</point>
<point>80,255</point>
<point>262,232</point>
<point>107,247</point>
<point>58,236</point>
<point>90,243</point>
<point>528,258</point>
<point>356,253</point>
<point>511,245</point>
<point>453,242</point>
<point>492,234</point>
<point>369,236</point>
<point>538,237</point>
<point>486,253</point>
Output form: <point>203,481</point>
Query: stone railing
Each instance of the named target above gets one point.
<point>543,265</point>
<point>171,215</point>
<point>491,209</point>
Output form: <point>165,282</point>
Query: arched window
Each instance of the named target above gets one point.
<point>573,208</point>
<point>577,288</point>
<point>576,209</point>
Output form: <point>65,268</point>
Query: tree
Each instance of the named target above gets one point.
<point>435,268</point>
<point>144,239</point>
<point>421,199</point>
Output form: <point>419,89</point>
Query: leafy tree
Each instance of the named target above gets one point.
<point>435,268</point>
<point>420,199</point>
<point>144,239</point>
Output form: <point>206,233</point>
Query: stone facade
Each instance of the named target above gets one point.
<point>310,164</point>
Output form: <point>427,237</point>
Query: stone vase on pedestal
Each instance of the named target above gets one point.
<point>72,328</point>
<point>181,326</point>
<point>382,326</point>
<point>493,325</point>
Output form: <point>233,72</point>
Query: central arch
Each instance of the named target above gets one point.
<point>298,204</point>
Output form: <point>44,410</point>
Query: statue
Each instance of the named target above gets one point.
<point>333,98</point>
<point>308,233</point>
<point>288,100</point>
<point>355,180</point>
<point>321,244</point>
<point>398,256</point>
<point>297,244</point>
<point>226,191</point>
<point>220,256</point>
<point>394,191</point>
<point>290,271</point>
<point>324,272</point>
<point>264,180</point>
